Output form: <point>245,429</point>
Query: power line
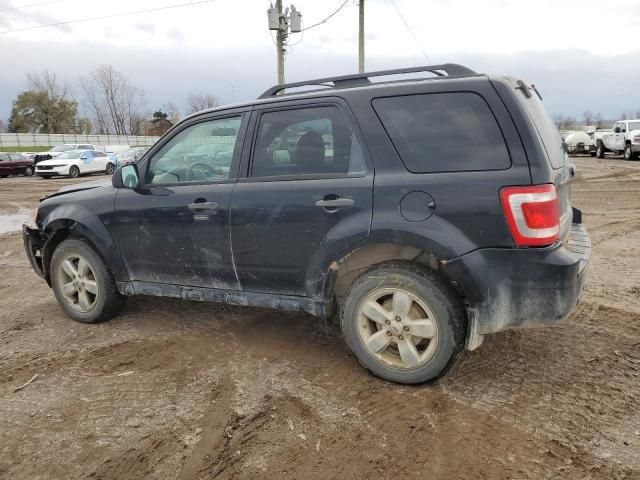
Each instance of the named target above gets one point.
<point>326,19</point>
<point>103,17</point>
<point>410,31</point>
<point>20,7</point>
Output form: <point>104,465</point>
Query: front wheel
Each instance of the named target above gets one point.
<point>82,284</point>
<point>600,149</point>
<point>628,153</point>
<point>110,169</point>
<point>28,171</point>
<point>74,171</point>
<point>403,323</point>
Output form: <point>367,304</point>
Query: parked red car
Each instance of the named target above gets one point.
<point>15,164</point>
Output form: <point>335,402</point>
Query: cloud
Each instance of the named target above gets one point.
<point>571,81</point>
<point>146,27</point>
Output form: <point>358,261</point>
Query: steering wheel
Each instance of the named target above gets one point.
<point>201,171</point>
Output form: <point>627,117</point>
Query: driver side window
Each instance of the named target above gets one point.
<point>202,152</point>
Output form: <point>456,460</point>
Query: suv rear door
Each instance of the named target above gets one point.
<point>306,196</point>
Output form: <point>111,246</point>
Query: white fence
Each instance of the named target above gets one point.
<point>47,140</point>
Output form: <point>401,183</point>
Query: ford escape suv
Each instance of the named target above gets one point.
<point>430,206</point>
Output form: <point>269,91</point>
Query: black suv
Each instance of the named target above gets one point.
<point>430,211</point>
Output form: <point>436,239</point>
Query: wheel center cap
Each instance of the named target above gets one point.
<point>396,328</point>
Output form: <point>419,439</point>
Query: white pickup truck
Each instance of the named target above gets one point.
<point>623,137</point>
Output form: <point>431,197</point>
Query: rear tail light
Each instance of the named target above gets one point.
<point>532,214</point>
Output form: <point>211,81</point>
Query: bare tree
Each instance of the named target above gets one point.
<point>588,117</point>
<point>47,82</point>
<point>563,122</point>
<point>172,111</point>
<point>598,120</point>
<point>114,102</point>
<point>201,101</point>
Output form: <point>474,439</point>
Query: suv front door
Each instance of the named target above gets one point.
<point>306,196</point>
<point>174,228</point>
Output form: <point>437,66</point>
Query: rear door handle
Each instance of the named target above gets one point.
<point>203,206</point>
<point>335,203</point>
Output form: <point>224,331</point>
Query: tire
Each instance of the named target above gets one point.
<point>600,149</point>
<point>628,154</point>
<point>431,297</point>
<point>28,171</point>
<point>110,169</point>
<point>74,171</point>
<point>100,305</point>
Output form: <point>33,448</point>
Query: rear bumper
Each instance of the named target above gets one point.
<point>518,288</point>
<point>33,245</point>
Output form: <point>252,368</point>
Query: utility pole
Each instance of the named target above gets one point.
<point>281,36</point>
<point>282,22</point>
<point>361,36</point>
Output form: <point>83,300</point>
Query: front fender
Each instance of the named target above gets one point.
<point>79,221</point>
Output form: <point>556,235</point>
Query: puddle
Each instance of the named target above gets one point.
<point>12,222</point>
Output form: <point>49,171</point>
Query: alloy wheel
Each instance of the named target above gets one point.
<point>397,328</point>
<point>78,283</point>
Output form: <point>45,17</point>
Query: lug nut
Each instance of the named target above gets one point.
<point>400,337</point>
<point>398,319</point>
<point>406,329</point>
<point>389,334</point>
<point>388,322</point>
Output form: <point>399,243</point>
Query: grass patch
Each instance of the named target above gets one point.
<point>25,149</point>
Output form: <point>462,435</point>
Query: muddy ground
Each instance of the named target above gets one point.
<point>173,389</point>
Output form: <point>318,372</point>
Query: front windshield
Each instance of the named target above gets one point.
<point>634,125</point>
<point>62,148</point>
<point>71,154</point>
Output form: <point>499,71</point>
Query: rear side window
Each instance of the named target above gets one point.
<point>443,132</point>
<point>306,141</point>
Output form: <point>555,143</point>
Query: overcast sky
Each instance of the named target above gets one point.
<point>581,54</point>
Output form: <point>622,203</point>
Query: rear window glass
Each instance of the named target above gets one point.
<point>443,132</point>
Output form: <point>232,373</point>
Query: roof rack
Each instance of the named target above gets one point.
<point>361,79</point>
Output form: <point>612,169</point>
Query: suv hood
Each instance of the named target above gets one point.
<point>81,186</point>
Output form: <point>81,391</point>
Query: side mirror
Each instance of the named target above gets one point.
<point>616,130</point>
<point>83,157</point>
<point>126,177</point>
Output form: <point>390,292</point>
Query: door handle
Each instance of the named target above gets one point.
<point>203,206</point>
<point>335,203</point>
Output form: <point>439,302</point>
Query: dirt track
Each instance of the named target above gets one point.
<point>172,389</point>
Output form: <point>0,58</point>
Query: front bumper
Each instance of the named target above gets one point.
<point>48,172</point>
<point>33,244</point>
<point>515,288</point>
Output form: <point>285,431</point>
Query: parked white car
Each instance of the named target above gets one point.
<point>58,149</point>
<point>74,163</point>
<point>623,137</point>
<point>579,142</point>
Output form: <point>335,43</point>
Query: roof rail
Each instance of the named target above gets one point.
<point>360,79</point>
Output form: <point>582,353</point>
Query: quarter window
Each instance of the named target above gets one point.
<point>306,141</point>
<point>443,132</point>
<point>200,153</point>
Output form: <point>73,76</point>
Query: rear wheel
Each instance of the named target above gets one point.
<point>600,149</point>
<point>82,284</point>
<point>74,171</point>
<point>110,169</point>
<point>403,323</point>
<point>28,171</point>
